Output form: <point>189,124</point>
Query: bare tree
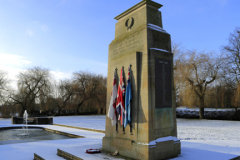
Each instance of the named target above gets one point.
<point>101,95</point>
<point>65,93</point>
<point>85,87</point>
<point>178,55</point>
<point>3,86</point>
<point>232,69</point>
<point>199,70</point>
<point>32,84</point>
<point>232,52</point>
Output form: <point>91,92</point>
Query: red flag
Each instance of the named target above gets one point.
<point>121,99</point>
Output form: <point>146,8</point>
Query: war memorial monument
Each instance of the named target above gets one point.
<point>141,41</point>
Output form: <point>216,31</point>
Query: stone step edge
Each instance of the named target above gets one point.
<point>63,133</point>
<point>37,157</point>
<point>66,155</point>
<point>88,129</point>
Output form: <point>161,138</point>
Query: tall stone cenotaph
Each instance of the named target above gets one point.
<point>140,41</point>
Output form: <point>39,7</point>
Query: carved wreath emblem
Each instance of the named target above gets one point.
<point>129,23</point>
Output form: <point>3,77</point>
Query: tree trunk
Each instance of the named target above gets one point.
<point>77,111</point>
<point>201,113</point>
<point>201,109</point>
<point>22,111</point>
<point>59,110</point>
<point>78,107</point>
<point>99,111</point>
<point>104,110</point>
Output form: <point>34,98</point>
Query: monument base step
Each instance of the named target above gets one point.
<point>139,150</point>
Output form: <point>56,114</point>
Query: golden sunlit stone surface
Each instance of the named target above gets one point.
<point>141,42</point>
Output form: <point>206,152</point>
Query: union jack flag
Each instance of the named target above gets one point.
<point>121,99</point>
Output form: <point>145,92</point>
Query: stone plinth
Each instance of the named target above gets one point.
<point>141,42</point>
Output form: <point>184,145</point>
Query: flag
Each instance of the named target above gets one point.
<point>112,113</point>
<point>127,100</point>
<point>120,99</point>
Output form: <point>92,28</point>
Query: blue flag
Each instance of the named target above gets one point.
<point>128,97</point>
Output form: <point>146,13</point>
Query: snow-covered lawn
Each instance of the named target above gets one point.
<point>213,138</point>
<point>5,121</point>
<point>93,122</point>
<point>214,132</point>
<point>200,139</point>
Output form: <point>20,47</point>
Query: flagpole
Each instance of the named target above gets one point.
<point>130,102</point>
<point>124,100</point>
<point>116,107</point>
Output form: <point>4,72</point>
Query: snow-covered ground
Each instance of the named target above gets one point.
<point>93,122</point>
<point>5,121</point>
<point>224,133</point>
<point>200,139</point>
<point>208,136</point>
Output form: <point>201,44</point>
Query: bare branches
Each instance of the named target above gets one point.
<point>232,53</point>
<point>87,86</point>
<point>36,92</point>
<point>3,86</point>
<point>178,53</point>
<point>198,70</point>
<point>33,84</point>
<point>232,66</point>
<point>65,93</point>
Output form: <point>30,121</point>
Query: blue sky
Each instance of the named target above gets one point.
<point>73,35</point>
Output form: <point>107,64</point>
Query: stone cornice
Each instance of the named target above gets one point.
<point>140,4</point>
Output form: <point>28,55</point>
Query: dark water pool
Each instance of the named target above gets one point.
<point>12,136</point>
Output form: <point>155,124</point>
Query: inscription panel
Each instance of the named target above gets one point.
<point>128,44</point>
<point>163,81</point>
